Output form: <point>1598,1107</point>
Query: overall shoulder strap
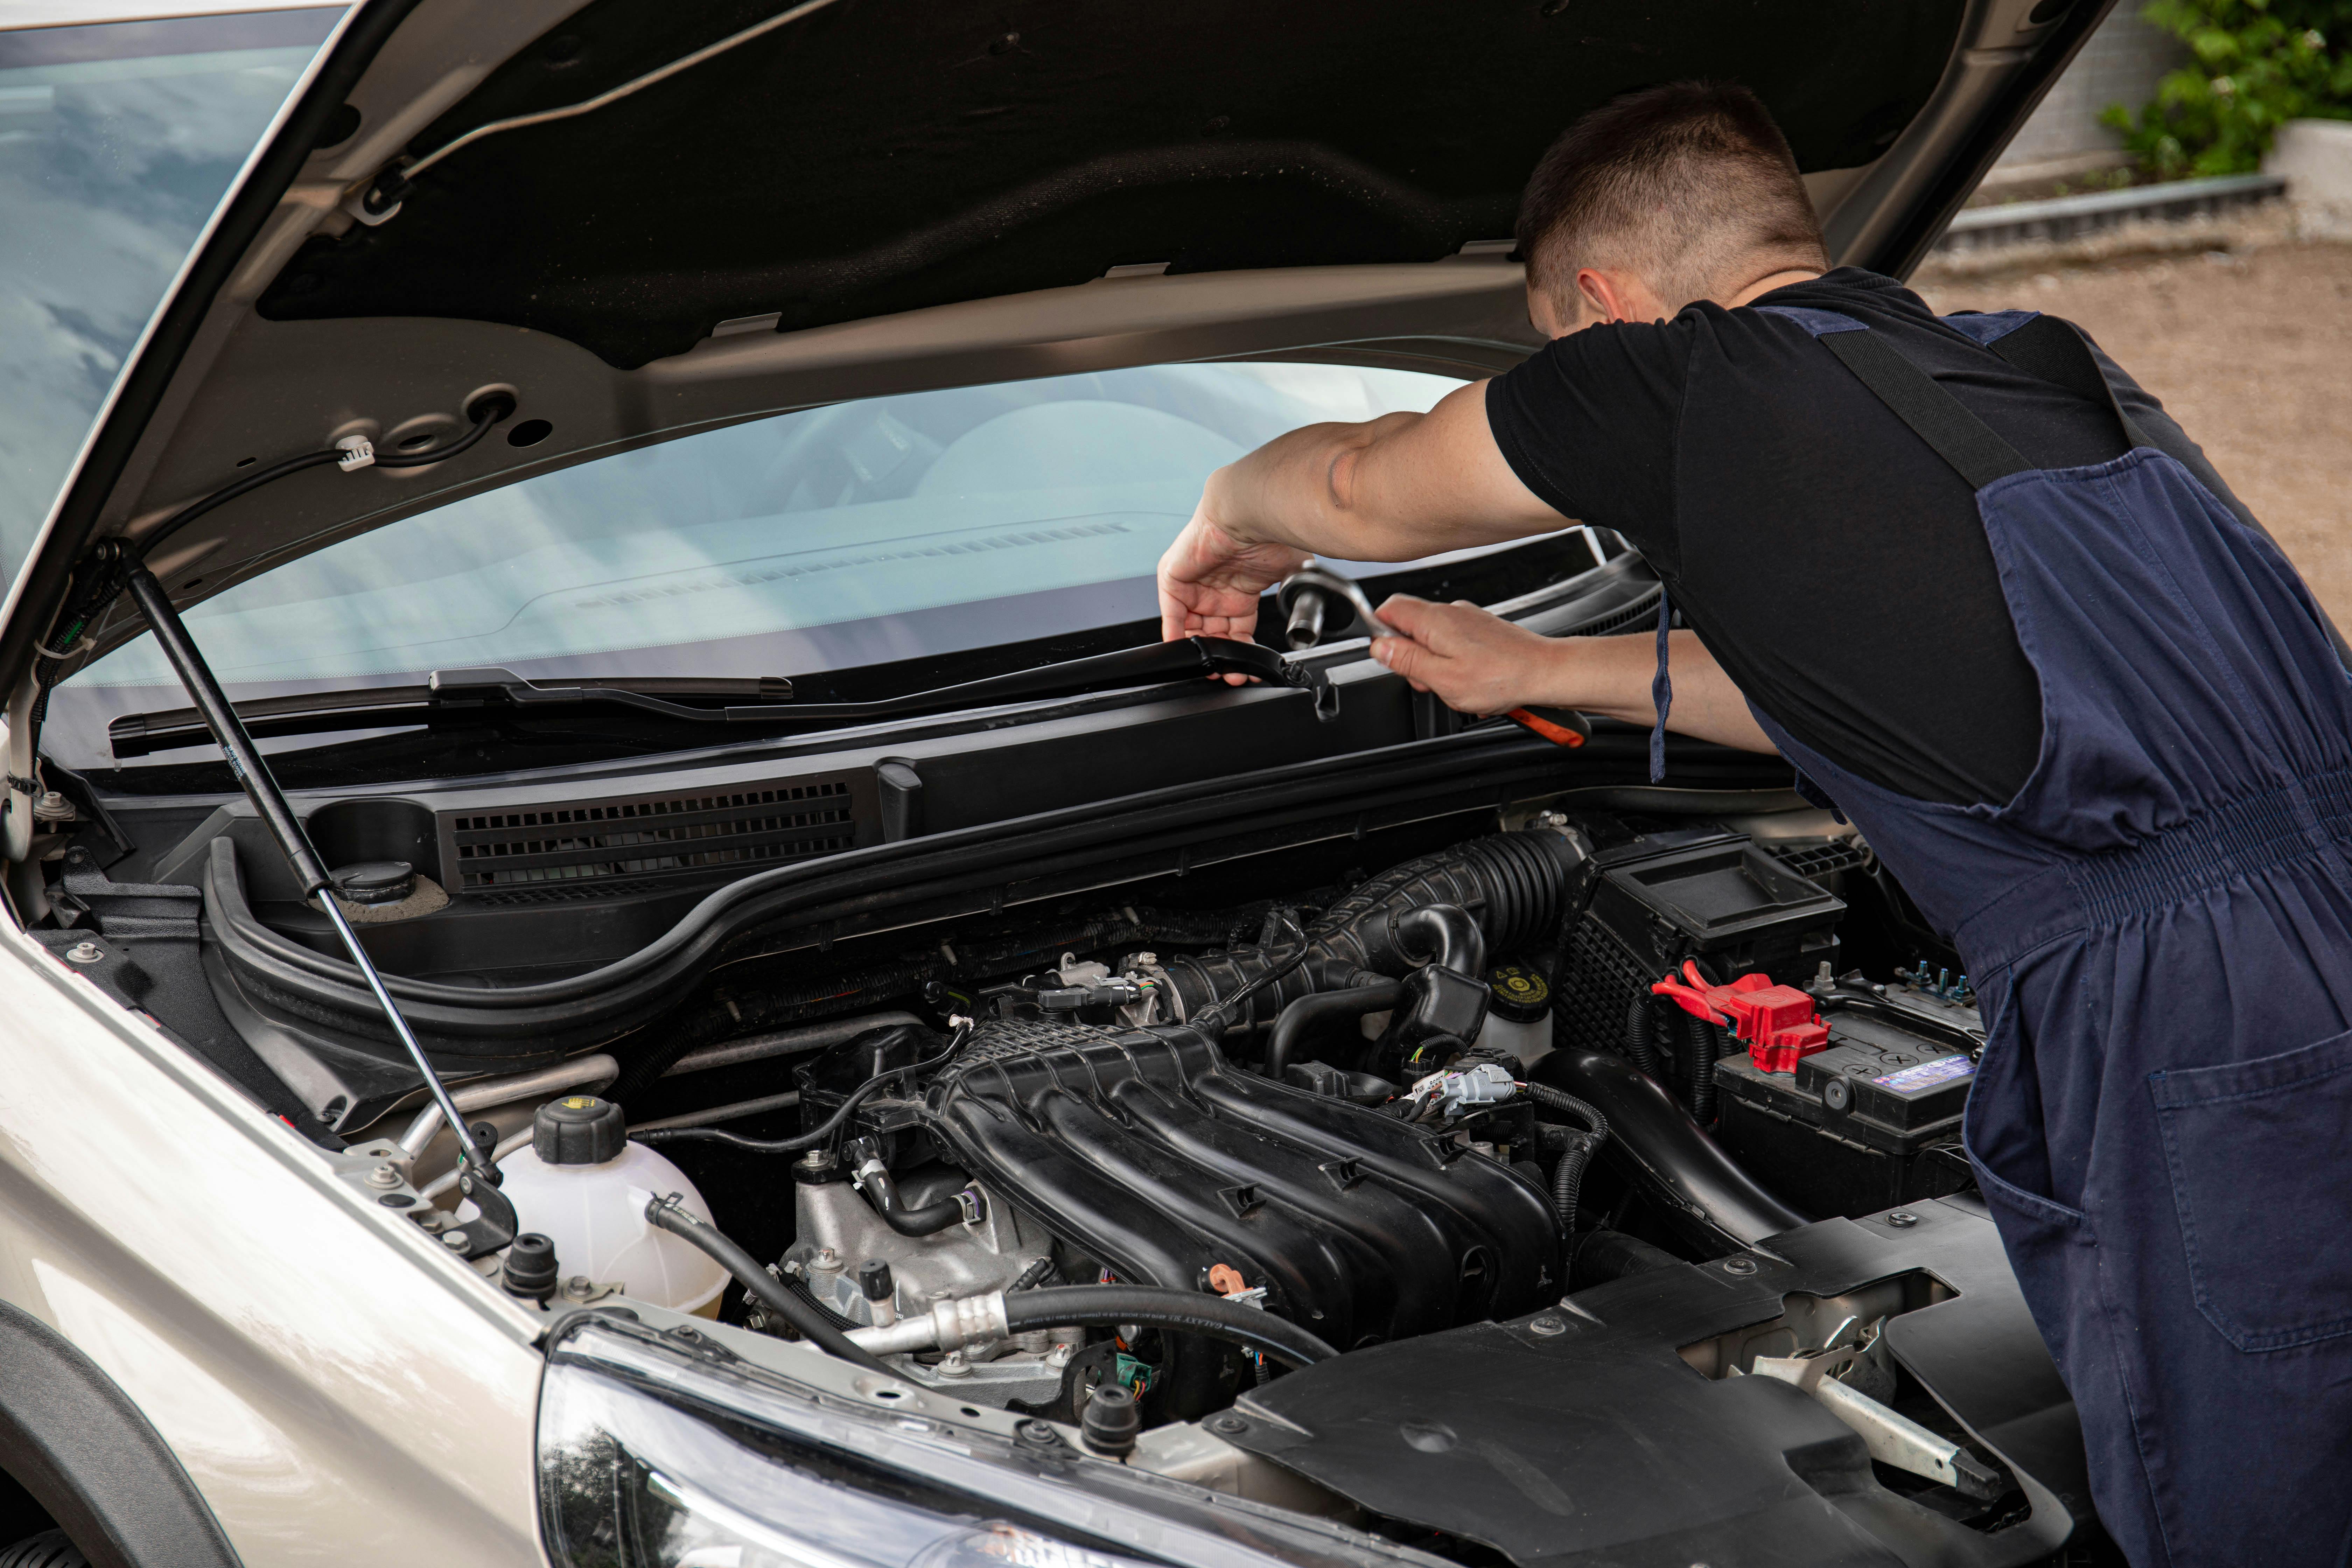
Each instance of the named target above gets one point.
<point>2052,350</point>
<point>1935,415</point>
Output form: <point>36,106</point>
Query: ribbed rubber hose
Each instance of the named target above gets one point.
<point>664,1213</point>
<point>1513,885</point>
<point>1179,1311</point>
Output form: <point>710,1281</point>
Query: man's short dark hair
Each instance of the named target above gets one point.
<point>1677,184</point>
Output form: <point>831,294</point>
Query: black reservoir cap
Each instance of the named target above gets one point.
<point>579,1130</point>
<point>375,881</point>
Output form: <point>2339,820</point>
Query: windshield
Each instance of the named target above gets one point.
<point>117,142</point>
<point>835,538</point>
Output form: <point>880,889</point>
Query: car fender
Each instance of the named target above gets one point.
<point>74,1439</point>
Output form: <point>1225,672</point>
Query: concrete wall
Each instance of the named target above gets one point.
<point>2120,64</point>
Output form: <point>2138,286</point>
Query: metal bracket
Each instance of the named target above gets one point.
<point>1892,1439</point>
<point>493,1227</point>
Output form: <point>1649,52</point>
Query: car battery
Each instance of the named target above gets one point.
<point>1871,1120</point>
<point>1661,899</point>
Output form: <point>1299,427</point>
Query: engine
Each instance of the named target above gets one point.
<point>1146,1156</point>
<point>1177,1123</point>
<point>1385,1117</point>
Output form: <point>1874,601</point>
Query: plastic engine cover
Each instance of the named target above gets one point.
<point>1146,1149</point>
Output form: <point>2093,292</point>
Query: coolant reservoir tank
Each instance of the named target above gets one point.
<point>583,1185</point>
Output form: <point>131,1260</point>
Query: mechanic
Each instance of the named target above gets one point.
<point>1977,586</point>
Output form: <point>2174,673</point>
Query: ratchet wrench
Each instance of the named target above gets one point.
<point>1306,596</point>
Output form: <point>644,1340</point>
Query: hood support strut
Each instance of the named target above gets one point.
<point>495,1224</point>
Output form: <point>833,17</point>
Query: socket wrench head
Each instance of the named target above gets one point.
<point>1329,585</point>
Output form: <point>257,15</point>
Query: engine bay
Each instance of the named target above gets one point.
<point>1672,1092</point>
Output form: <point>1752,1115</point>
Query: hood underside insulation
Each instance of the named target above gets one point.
<point>883,155</point>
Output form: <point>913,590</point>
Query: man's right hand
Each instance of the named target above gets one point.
<point>1209,581</point>
<point>1475,661</point>
<point>1479,663</point>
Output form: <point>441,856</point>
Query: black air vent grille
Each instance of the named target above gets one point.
<point>565,847</point>
<point>1821,860</point>
<point>1642,612</point>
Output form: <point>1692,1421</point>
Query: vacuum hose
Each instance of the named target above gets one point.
<point>1513,888</point>
<point>815,1325</point>
<point>1184,1312</point>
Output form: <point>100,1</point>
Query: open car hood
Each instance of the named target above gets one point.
<point>870,158</point>
<point>885,195</point>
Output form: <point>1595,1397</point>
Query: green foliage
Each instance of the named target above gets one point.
<point>2259,63</point>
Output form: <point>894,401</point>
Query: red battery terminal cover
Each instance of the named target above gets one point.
<point>1778,1022</point>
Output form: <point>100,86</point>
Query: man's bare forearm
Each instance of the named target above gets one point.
<point>1610,677</point>
<point>1301,489</point>
<point>1392,489</point>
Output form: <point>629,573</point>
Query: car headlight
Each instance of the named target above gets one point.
<point>661,1452</point>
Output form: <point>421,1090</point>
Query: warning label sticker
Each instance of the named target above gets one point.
<point>1926,1075</point>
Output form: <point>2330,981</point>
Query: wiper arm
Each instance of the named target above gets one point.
<point>1150,664</point>
<point>766,702</point>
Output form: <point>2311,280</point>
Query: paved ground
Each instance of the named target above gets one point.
<point>2252,351</point>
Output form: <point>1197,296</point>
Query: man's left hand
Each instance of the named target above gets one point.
<point>1209,582</point>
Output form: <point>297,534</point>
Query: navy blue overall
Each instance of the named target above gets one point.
<point>2159,929</point>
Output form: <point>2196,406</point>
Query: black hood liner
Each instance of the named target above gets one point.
<point>885,156</point>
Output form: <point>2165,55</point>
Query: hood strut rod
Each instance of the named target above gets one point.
<point>478,1178</point>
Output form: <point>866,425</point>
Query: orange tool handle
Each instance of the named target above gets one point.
<point>1560,726</point>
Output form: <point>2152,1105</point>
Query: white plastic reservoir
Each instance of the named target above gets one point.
<point>594,1210</point>
<point>1518,1014</point>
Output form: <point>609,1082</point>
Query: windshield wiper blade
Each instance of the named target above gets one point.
<point>766,702</point>
<point>390,707</point>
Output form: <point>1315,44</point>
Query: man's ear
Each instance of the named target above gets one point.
<point>1623,295</point>
<point>1612,296</point>
<point>1598,291</point>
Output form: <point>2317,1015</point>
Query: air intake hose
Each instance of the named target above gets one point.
<point>1514,885</point>
<point>1692,1184</point>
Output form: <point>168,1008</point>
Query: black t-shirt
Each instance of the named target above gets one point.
<point>1830,561</point>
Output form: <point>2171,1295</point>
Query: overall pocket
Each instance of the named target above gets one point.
<point>2257,1154</point>
<point>2005,1136</point>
